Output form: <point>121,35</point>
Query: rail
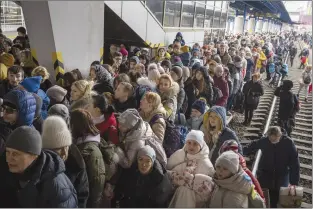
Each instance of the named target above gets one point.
<point>255,165</point>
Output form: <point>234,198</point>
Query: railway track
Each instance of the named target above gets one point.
<point>301,135</point>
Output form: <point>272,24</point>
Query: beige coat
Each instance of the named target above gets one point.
<point>159,126</point>
<point>232,192</point>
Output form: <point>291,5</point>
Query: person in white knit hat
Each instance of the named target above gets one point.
<point>57,137</point>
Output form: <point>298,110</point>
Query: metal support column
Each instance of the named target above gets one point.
<point>256,22</point>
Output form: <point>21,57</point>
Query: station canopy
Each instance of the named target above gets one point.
<point>268,9</point>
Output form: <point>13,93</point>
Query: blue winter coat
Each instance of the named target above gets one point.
<point>32,84</point>
<point>42,185</point>
<point>226,134</point>
<point>279,164</point>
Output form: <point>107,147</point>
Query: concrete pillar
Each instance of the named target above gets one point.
<point>239,21</point>
<point>259,26</point>
<point>65,35</point>
<point>251,25</point>
<point>265,26</point>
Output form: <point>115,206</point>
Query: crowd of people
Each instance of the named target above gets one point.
<point>143,130</point>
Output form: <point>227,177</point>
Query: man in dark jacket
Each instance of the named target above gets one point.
<point>33,178</point>
<point>279,165</point>
<point>15,76</point>
<point>288,106</point>
<point>124,97</point>
<point>57,137</point>
<point>19,108</point>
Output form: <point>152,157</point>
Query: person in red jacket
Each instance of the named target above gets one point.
<point>222,85</point>
<point>103,118</point>
<point>232,145</point>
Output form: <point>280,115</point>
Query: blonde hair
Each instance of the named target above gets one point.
<point>84,86</point>
<point>41,71</point>
<point>153,98</point>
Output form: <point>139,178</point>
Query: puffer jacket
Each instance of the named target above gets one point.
<point>76,172</point>
<point>224,134</point>
<point>232,192</point>
<point>42,185</point>
<point>159,126</point>
<point>180,98</point>
<point>169,101</point>
<point>26,106</point>
<point>181,162</point>
<point>259,61</point>
<point>104,80</point>
<point>134,140</point>
<point>89,149</point>
<point>143,191</point>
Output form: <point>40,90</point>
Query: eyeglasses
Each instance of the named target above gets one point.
<point>8,110</point>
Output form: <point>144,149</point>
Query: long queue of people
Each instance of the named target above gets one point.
<point>139,131</point>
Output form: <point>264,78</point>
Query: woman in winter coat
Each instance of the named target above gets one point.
<point>87,138</point>
<point>103,118</point>
<point>221,84</point>
<point>260,59</point>
<point>153,112</point>
<point>216,131</point>
<point>168,91</point>
<point>203,85</point>
<point>32,85</point>
<point>145,184</point>
<point>102,78</point>
<point>177,76</point>
<point>252,91</point>
<point>190,90</point>
<point>134,132</point>
<point>230,86</point>
<point>57,137</point>
<point>232,185</point>
<point>234,74</point>
<point>80,94</point>
<point>184,165</point>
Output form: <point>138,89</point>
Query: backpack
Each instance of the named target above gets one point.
<point>307,80</point>
<point>156,144</point>
<point>217,94</point>
<point>174,137</point>
<point>271,68</point>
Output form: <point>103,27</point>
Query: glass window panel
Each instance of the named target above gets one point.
<point>156,7</point>
<point>223,20</point>
<point>199,20</point>
<point>224,7</point>
<point>218,4</point>
<point>210,3</point>
<point>172,13</point>
<point>208,17</point>
<point>188,13</point>
<point>216,20</point>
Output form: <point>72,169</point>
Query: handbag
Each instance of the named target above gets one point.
<point>290,197</point>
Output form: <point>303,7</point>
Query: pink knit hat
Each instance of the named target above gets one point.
<point>124,52</point>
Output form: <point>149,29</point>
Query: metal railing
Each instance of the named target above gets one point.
<point>255,165</point>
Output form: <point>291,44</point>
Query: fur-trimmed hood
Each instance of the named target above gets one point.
<point>172,92</point>
<point>146,82</point>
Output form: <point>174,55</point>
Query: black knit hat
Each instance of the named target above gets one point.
<point>166,63</point>
<point>287,85</point>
